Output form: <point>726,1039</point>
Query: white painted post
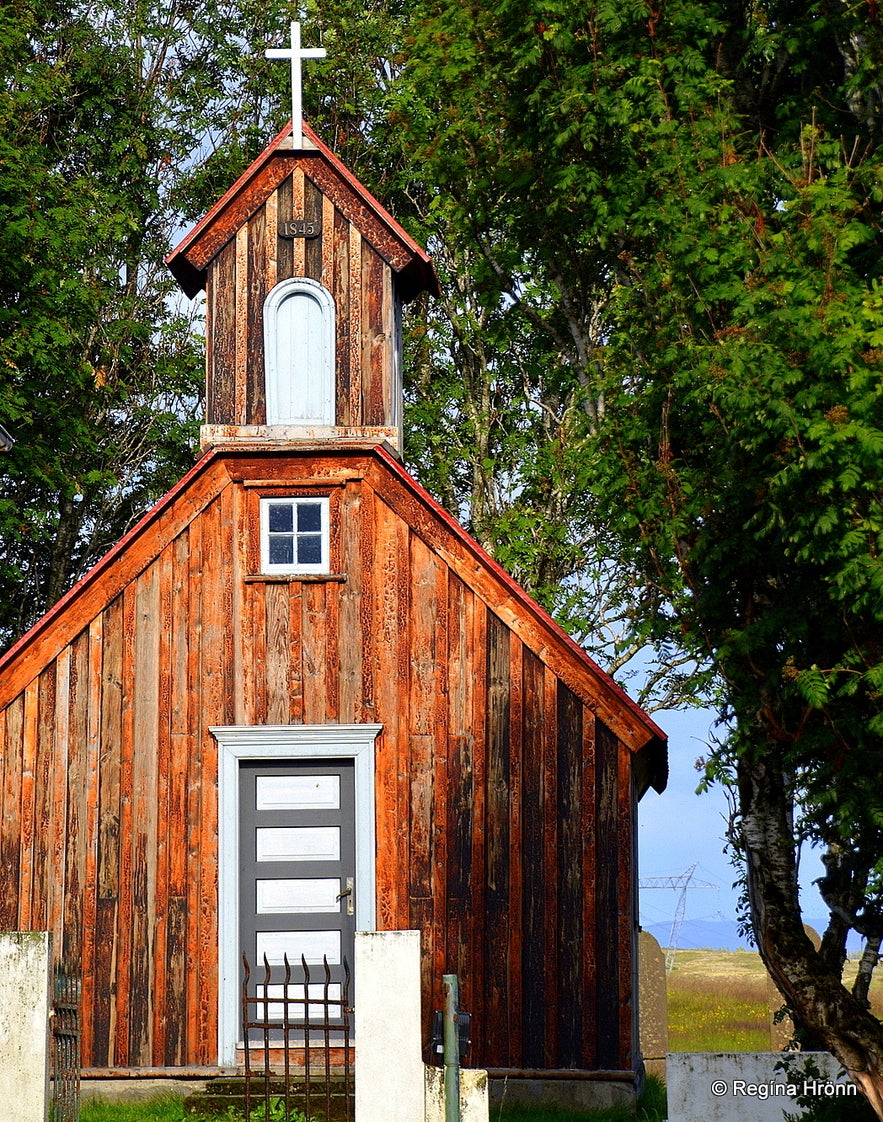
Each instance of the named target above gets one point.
<point>25,981</point>
<point>388,1030</point>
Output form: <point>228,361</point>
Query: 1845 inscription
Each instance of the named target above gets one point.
<point>299,228</point>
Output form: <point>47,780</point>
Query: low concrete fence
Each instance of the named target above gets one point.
<point>722,1086</point>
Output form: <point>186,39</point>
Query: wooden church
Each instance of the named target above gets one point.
<point>298,662</point>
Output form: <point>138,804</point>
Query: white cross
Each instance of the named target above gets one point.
<point>296,53</point>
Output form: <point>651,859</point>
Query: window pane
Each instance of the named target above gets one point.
<point>281,518</point>
<point>309,517</point>
<point>309,549</point>
<point>281,550</point>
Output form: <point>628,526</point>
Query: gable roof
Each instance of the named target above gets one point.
<point>23,662</point>
<point>189,259</point>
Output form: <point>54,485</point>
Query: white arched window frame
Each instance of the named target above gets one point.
<point>299,353</point>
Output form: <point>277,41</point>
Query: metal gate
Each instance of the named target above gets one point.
<point>298,1025</point>
<point>66,987</point>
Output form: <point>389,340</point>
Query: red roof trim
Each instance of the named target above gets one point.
<point>177,259</point>
<point>515,589</point>
<point>557,633</point>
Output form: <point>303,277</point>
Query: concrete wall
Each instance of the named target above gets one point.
<point>473,1095</point>
<point>720,1087</point>
<point>389,1065</point>
<point>392,1082</point>
<point>25,979</point>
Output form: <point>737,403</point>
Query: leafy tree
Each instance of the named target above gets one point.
<point>118,123</point>
<point>685,200</point>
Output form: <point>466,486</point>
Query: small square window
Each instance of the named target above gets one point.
<point>294,535</point>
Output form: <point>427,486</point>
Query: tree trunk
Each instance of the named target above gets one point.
<point>810,987</point>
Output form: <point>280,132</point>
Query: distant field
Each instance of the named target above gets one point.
<point>718,1001</point>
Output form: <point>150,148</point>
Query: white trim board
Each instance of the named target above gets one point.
<point>281,742</point>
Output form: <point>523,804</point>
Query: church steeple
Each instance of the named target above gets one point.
<point>305,275</point>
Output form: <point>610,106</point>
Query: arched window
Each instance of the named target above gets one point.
<point>299,353</point>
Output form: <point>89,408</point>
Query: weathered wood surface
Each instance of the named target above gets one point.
<point>344,258</point>
<point>505,827</point>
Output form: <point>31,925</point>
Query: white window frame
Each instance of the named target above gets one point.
<point>279,365</point>
<point>323,565</point>
<point>282,742</point>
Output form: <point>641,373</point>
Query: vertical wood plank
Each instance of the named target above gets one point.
<point>627,912</point>
<point>59,870</point>
<point>241,629</point>
<point>328,241</point>
<point>375,347</point>
<point>387,411</point>
<point>516,851</point>
<point>350,645</point>
<point>195,582</point>
<point>181,745</point>
<point>75,838</point>
<point>257,600</point>
<point>284,252</point>
<point>144,824</point>
<point>108,856</point>
<point>258,287</point>
<point>315,654</point>
<point>298,258</point>
<point>295,654</point>
<point>606,874</point>
<point>166,621</point>
<point>590,912</point>
<point>44,873</point>
<point>28,798</point>
<point>533,956</point>
<point>11,825</point>
<point>241,296</point>
<point>271,240</point>
<point>214,649</point>
<point>570,877</point>
<point>356,313</point>
<point>497,911</point>
<point>340,290</point>
<point>313,246</point>
<point>390,670</point>
<point>550,849</point>
<point>276,623</point>
<point>125,921</point>
<point>92,697</point>
<point>475,965</point>
<point>223,338</point>
<point>460,779</point>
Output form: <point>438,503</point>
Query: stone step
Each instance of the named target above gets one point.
<point>222,1094</point>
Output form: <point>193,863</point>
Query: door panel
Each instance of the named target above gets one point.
<point>297,870</point>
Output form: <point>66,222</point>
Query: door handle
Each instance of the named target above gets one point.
<point>348,893</point>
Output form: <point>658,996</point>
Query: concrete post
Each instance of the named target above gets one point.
<point>25,981</point>
<point>652,1004</point>
<point>388,1030</point>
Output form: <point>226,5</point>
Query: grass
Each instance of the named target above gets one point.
<point>169,1108</point>
<point>158,1108</point>
<point>718,1001</point>
<point>717,1015</point>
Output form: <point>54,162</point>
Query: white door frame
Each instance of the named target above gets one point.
<point>281,742</point>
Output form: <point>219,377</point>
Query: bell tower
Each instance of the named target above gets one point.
<point>305,275</point>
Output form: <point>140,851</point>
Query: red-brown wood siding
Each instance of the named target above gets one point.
<point>504,812</point>
<point>247,267</point>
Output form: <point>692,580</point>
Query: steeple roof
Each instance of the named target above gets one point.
<point>189,259</point>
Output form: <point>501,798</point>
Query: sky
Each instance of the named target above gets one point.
<point>679,829</point>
